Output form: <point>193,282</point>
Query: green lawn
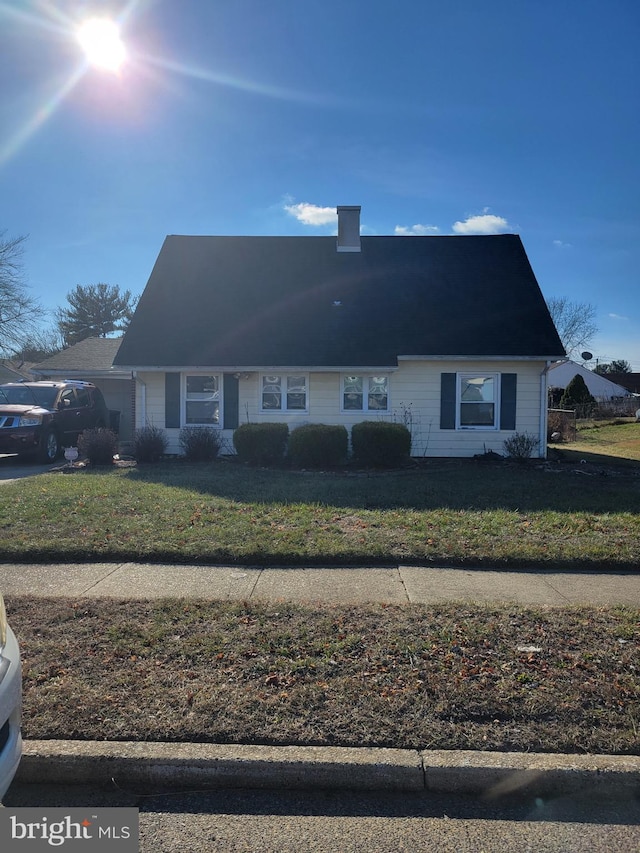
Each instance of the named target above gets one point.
<point>600,441</point>
<point>455,512</point>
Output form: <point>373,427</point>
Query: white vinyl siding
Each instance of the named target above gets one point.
<point>414,398</point>
<point>417,388</point>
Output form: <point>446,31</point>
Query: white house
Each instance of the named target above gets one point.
<point>449,334</point>
<point>600,387</point>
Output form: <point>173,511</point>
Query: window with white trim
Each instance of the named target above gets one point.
<point>363,393</point>
<point>478,401</point>
<point>282,392</point>
<point>202,400</point>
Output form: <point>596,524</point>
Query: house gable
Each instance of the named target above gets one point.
<point>235,302</point>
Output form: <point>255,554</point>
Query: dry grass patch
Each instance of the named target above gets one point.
<point>493,678</point>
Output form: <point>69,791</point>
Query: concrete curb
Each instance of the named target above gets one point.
<point>189,765</point>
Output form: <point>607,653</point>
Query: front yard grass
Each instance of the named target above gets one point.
<point>453,512</point>
<point>439,677</point>
<point>447,676</point>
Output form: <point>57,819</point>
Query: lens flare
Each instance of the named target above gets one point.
<point>101,42</point>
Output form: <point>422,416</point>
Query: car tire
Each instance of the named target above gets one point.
<point>49,446</point>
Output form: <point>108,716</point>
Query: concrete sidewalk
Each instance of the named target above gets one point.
<point>209,765</point>
<point>354,585</point>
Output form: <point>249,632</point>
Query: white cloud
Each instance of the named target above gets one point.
<point>560,245</point>
<point>485,223</point>
<point>312,214</point>
<point>618,317</point>
<point>415,230</point>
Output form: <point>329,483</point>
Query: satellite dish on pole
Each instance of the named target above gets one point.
<point>586,356</point>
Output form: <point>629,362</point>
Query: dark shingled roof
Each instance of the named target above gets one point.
<point>91,354</point>
<point>296,301</point>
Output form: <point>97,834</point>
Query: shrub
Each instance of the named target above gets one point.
<point>200,444</point>
<point>578,397</point>
<point>149,444</point>
<point>379,444</point>
<point>261,444</point>
<point>318,446</point>
<point>98,445</point>
<point>520,446</point>
<point>562,424</point>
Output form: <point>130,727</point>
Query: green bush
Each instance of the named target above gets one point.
<point>149,444</point>
<point>98,445</point>
<point>200,444</point>
<point>261,444</point>
<point>378,444</point>
<point>318,446</point>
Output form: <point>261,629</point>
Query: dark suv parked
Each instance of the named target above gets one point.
<point>43,417</point>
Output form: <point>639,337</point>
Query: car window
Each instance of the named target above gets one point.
<point>45,397</point>
<point>18,395</point>
<point>83,397</point>
<point>68,398</point>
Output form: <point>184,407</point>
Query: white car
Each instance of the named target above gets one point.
<point>10,702</point>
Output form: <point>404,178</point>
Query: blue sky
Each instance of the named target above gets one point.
<point>260,116</point>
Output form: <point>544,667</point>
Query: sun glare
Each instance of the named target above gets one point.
<point>101,42</point>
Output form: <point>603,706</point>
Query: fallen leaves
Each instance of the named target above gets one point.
<point>451,676</point>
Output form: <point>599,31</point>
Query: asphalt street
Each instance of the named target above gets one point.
<point>344,821</point>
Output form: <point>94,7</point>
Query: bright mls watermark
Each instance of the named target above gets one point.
<point>114,830</point>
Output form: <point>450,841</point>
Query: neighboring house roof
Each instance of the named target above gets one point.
<point>599,386</point>
<point>91,356</point>
<point>630,381</point>
<point>13,371</point>
<point>297,301</point>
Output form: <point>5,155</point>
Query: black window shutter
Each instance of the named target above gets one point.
<point>172,400</point>
<point>230,399</point>
<point>447,401</point>
<point>508,383</point>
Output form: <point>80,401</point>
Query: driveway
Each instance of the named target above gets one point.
<point>12,468</point>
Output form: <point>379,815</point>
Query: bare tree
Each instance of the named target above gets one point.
<point>40,344</point>
<point>19,312</point>
<point>575,322</point>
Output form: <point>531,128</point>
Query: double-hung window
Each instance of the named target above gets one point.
<point>202,400</point>
<point>283,392</point>
<point>478,401</point>
<point>362,393</point>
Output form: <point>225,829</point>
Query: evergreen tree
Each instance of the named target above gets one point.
<point>617,366</point>
<point>578,397</point>
<point>96,310</point>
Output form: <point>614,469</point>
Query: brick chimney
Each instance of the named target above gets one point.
<point>348,228</point>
